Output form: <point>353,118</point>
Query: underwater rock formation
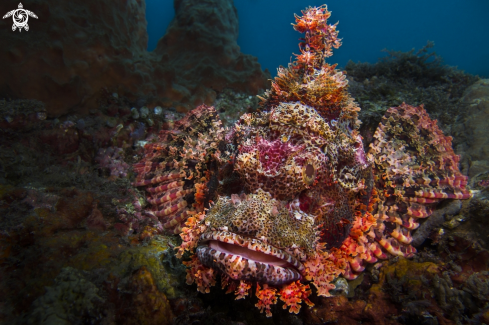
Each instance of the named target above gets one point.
<point>77,50</point>
<point>72,273</point>
<point>288,195</point>
<point>200,44</point>
<point>72,51</point>
<point>71,299</point>
<point>471,129</point>
<point>415,77</point>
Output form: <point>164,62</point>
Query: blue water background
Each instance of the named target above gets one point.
<point>459,29</point>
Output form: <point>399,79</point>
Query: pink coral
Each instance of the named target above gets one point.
<point>111,161</point>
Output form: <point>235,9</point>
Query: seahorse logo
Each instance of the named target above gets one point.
<point>20,17</point>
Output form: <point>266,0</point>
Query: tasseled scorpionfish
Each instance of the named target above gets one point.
<point>288,196</point>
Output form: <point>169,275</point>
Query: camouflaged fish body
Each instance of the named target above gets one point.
<point>288,195</point>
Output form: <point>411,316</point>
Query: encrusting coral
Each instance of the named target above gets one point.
<point>288,195</point>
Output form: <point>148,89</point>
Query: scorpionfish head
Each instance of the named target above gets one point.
<point>297,168</point>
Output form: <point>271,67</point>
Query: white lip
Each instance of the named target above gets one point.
<point>250,248</point>
<point>249,254</point>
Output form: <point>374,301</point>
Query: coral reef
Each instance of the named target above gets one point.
<point>22,114</point>
<point>148,304</point>
<point>111,162</point>
<point>70,300</point>
<point>48,65</point>
<point>90,273</point>
<point>432,290</point>
<point>231,105</point>
<point>408,77</point>
<point>470,129</point>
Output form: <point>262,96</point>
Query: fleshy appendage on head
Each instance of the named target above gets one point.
<point>309,79</point>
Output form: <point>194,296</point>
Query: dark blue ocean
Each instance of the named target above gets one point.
<point>459,29</point>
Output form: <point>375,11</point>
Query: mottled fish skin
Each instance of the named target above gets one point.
<point>288,194</point>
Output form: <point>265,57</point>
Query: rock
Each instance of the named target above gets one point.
<point>71,299</point>
<point>435,220</point>
<point>471,131</point>
<point>201,42</point>
<point>76,50</point>
<point>72,51</point>
<point>148,304</point>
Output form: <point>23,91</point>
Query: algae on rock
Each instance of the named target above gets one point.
<point>71,300</point>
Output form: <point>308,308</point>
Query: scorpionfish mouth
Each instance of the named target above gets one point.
<point>244,258</point>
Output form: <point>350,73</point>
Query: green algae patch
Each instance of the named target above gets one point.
<point>157,257</point>
<point>404,272</point>
<point>404,267</point>
<point>97,255</point>
<point>70,299</point>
